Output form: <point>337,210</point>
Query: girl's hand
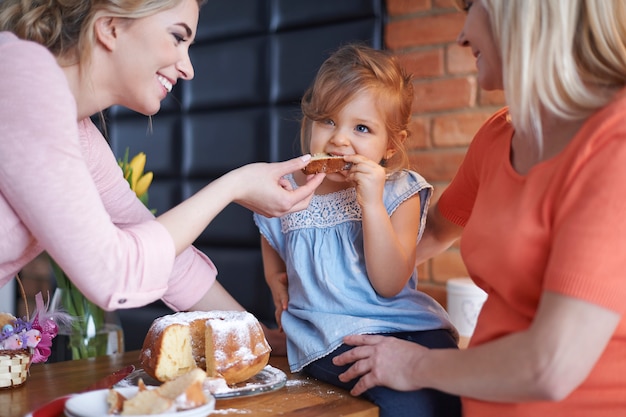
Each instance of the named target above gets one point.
<point>368,177</point>
<point>278,287</point>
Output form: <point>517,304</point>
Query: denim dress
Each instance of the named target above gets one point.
<point>330,295</point>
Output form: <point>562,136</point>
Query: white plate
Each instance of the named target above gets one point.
<point>94,404</point>
<point>267,380</point>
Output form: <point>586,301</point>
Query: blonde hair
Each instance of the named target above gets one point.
<point>66,27</point>
<point>566,58</point>
<point>352,69</point>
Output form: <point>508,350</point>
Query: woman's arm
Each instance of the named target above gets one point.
<point>258,187</point>
<point>439,235</point>
<point>545,362</point>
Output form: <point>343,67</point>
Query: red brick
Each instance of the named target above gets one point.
<point>448,107</point>
<point>459,60</point>
<point>444,94</point>
<point>399,7</point>
<point>436,291</point>
<point>439,165</point>
<point>444,4</point>
<point>423,30</point>
<point>420,134</point>
<point>448,264</point>
<point>423,64</point>
<point>457,129</point>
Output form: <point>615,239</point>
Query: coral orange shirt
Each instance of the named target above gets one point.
<point>562,228</point>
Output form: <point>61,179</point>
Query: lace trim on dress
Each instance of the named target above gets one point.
<point>326,210</point>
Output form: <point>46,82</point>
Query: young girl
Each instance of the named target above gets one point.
<point>350,257</point>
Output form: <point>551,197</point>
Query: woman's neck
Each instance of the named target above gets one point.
<point>89,99</point>
<point>557,134</point>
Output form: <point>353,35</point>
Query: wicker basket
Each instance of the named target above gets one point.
<point>14,365</point>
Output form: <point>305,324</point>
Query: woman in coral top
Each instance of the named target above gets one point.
<point>61,189</point>
<point>540,205</point>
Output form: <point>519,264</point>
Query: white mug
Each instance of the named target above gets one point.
<point>465,299</point>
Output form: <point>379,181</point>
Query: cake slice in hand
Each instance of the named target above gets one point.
<point>325,163</point>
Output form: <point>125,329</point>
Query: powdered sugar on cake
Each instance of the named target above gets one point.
<point>230,344</point>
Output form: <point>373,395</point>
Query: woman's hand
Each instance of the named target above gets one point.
<point>262,188</point>
<point>544,362</point>
<point>259,187</point>
<point>276,339</point>
<point>380,361</point>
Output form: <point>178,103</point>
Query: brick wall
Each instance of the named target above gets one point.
<point>448,108</point>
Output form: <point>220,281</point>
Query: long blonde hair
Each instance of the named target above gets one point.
<point>66,27</point>
<point>565,58</point>
<point>354,68</point>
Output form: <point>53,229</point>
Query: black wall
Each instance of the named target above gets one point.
<point>253,59</point>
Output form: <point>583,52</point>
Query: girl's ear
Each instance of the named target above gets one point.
<point>391,151</point>
<point>106,32</point>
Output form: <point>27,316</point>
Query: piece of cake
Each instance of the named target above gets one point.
<point>115,401</point>
<point>226,344</point>
<point>182,393</point>
<point>326,163</point>
<point>146,403</point>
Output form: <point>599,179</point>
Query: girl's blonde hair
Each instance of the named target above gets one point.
<point>353,69</point>
<point>66,27</point>
<point>566,58</point>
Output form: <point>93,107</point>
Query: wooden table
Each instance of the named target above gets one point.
<point>301,396</point>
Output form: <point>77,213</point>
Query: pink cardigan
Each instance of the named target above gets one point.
<point>62,191</point>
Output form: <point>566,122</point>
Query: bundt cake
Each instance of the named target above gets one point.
<point>226,344</point>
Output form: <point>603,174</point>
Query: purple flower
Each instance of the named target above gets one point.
<point>48,330</point>
<point>45,323</point>
<point>42,351</point>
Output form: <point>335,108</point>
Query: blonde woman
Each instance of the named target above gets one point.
<point>60,187</point>
<point>539,203</point>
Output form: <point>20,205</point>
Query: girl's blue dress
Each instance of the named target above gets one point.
<point>330,295</point>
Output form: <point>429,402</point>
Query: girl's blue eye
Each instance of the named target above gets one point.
<point>329,122</point>
<point>362,129</point>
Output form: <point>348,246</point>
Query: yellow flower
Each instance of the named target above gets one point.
<point>143,183</point>
<point>133,173</point>
<point>139,182</point>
